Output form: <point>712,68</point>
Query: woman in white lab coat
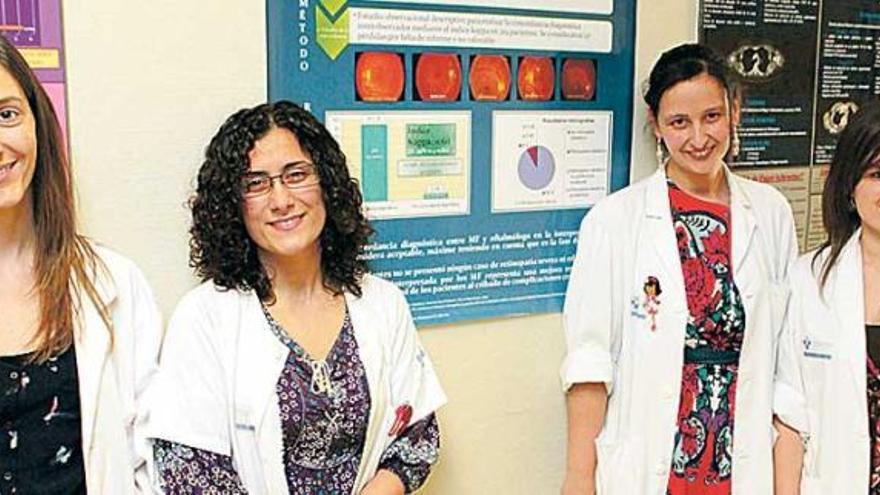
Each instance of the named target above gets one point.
<point>80,329</point>
<point>674,307</point>
<point>290,369</point>
<point>834,320</point>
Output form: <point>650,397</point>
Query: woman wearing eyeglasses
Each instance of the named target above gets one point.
<point>290,369</point>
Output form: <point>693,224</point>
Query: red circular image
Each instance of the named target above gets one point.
<point>438,77</point>
<point>578,79</point>
<point>379,76</point>
<point>535,79</point>
<point>490,77</point>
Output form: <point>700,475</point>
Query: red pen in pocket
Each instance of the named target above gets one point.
<point>402,415</point>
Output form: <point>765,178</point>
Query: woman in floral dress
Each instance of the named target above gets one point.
<point>713,341</point>
<point>674,310</point>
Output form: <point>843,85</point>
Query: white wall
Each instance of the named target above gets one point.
<point>150,82</point>
<point>148,85</point>
<point>661,25</point>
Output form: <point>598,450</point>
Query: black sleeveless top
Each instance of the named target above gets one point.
<point>40,430</point>
<point>873,339</point>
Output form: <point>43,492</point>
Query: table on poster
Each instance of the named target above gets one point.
<point>480,133</point>
<point>807,66</point>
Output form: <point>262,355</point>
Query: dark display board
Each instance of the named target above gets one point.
<point>807,65</point>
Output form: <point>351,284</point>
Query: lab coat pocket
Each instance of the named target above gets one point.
<point>611,475</point>
<point>817,354</point>
<point>817,349</point>
<point>811,486</point>
<point>645,304</point>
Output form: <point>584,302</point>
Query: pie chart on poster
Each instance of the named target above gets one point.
<point>536,167</point>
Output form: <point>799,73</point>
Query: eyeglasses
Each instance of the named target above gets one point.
<point>295,175</point>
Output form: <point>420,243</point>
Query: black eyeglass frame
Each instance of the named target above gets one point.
<point>287,171</point>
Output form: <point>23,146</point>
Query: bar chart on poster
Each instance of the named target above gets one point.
<point>424,174</point>
<point>479,132</point>
<point>34,27</point>
<point>807,66</point>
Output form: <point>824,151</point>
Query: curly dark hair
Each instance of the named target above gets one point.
<point>221,249</point>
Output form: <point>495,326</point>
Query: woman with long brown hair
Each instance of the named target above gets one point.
<point>834,321</point>
<point>80,328</point>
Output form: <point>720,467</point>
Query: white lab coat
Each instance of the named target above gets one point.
<point>826,337</point>
<point>220,363</point>
<point>625,239</point>
<point>113,373</point>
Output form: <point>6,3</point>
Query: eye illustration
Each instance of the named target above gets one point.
<point>756,62</point>
<point>836,118</point>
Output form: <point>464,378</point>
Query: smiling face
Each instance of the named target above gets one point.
<point>18,144</point>
<point>284,223</point>
<point>866,196</point>
<point>694,120</point>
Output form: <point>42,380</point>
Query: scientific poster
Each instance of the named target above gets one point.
<point>480,133</point>
<point>807,66</point>
<point>34,27</point>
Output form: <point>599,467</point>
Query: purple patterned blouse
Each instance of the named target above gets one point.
<point>324,410</point>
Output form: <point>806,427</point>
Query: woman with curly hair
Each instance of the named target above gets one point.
<point>290,369</point>
<point>80,332</point>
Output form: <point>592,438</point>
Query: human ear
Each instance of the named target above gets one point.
<point>655,127</point>
<point>735,108</point>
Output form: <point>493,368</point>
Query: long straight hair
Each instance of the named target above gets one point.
<point>857,149</point>
<point>64,261</point>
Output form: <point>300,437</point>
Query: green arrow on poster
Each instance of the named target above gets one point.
<point>333,6</point>
<point>332,35</point>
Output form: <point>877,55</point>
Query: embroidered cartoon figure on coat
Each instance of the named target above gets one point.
<point>651,303</point>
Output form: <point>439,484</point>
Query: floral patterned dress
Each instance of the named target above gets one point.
<point>40,430</point>
<point>324,409</point>
<point>702,457</point>
<point>872,333</point>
